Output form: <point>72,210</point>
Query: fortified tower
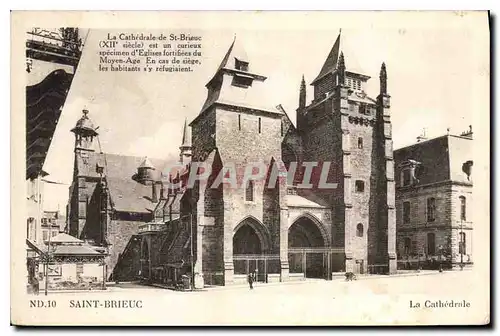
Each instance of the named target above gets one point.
<point>352,131</point>
<point>235,128</point>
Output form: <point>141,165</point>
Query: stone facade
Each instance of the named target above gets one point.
<point>110,196</point>
<point>433,201</point>
<point>282,225</point>
<point>304,232</point>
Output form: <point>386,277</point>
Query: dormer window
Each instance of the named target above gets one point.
<point>410,172</point>
<point>241,65</point>
<point>242,81</point>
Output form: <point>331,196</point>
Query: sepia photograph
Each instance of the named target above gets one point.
<point>227,168</point>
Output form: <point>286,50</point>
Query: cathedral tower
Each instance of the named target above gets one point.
<point>346,127</point>
<point>237,127</point>
<point>85,133</point>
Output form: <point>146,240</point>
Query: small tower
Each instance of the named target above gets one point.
<point>388,217</point>
<point>185,154</point>
<point>301,111</point>
<point>145,172</point>
<point>84,133</point>
<point>341,70</point>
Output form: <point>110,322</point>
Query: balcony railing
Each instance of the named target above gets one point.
<point>151,227</point>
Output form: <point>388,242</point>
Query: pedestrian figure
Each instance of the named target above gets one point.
<point>36,286</point>
<point>251,279</point>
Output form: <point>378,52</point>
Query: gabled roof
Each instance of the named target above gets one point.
<point>126,194</point>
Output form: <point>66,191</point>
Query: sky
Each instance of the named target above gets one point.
<point>436,79</point>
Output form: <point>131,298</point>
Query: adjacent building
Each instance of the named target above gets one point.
<point>52,56</point>
<point>434,202</point>
<point>111,195</point>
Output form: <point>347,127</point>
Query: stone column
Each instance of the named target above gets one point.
<point>384,101</point>
<point>198,268</point>
<point>228,244</point>
<point>284,265</point>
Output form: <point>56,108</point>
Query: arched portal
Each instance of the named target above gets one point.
<point>307,244</point>
<point>305,233</point>
<point>246,241</point>
<point>250,245</point>
<point>250,237</point>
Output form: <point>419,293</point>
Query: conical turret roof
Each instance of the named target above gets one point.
<point>85,125</point>
<point>186,140</point>
<point>146,163</point>
<point>332,60</point>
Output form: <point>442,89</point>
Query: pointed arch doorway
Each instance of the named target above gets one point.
<point>308,249</point>
<point>251,247</point>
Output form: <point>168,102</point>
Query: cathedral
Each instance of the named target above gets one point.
<point>157,227</point>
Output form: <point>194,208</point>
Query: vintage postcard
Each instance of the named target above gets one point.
<point>250,168</point>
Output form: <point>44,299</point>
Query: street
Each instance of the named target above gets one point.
<point>377,300</point>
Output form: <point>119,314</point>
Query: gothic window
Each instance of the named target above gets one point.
<point>239,122</point>
<point>360,143</point>
<point>462,244</point>
<point>240,65</point>
<point>406,212</point>
<point>463,205</point>
<point>260,125</point>
<point>431,209</point>
<point>360,186</point>
<point>431,243</point>
<point>359,230</point>
<point>249,191</point>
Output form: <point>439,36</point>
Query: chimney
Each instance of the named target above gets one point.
<point>467,134</point>
<point>422,137</point>
<point>154,195</point>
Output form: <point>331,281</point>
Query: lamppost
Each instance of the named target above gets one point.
<point>191,249</point>
<point>462,244</point>
<point>47,261</point>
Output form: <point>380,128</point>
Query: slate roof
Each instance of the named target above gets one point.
<point>331,61</point>
<point>126,193</point>
<point>441,159</point>
<point>130,196</point>
<point>117,166</point>
<point>65,238</point>
<point>74,250</point>
<point>64,245</point>
<point>257,96</point>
